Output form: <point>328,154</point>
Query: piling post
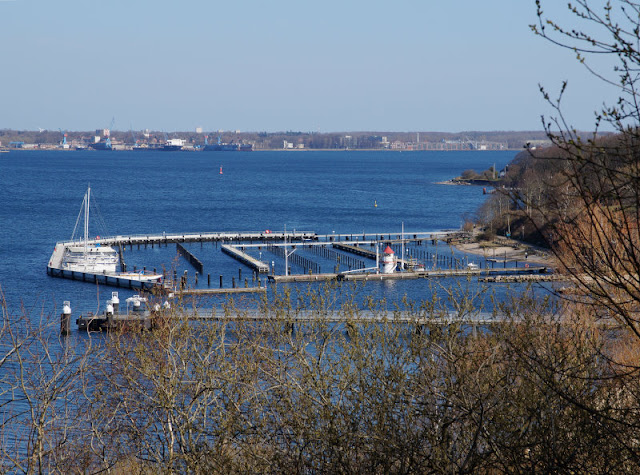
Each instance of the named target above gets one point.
<point>208,280</point>
<point>220,280</point>
<point>233,282</point>
<point>65,318</point>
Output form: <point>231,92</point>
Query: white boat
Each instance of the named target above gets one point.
<point>93,259</point>
<point>89,256</point>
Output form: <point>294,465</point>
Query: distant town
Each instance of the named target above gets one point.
<point>108,139</point>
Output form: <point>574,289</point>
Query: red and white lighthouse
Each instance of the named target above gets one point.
<point>389,261</point>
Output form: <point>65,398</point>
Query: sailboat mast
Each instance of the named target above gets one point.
<point>87,198</point>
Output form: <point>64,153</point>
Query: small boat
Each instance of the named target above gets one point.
<point>412,264</point>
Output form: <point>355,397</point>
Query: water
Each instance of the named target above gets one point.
<point>155,192</point>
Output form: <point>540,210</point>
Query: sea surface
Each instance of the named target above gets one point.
<point>181,192</point>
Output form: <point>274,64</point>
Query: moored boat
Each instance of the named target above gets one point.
<point>102,145</point>
<point>86,259</point>
<point>173,145</point>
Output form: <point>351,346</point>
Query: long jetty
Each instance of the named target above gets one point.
<point>148,320</point>
<point>170,238</point>
<point>377,276</point>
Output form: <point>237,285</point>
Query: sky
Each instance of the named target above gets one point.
<point>284,65</point>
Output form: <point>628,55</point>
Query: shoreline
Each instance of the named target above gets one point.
<point>510,250</point>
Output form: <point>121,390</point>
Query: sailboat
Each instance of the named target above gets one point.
<point>89,256</point>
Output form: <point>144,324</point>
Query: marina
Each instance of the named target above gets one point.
<point>152,201</point>
<point>96,261</point>
<point>283,244</point>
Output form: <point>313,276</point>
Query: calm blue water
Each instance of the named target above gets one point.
<point>154,192</point>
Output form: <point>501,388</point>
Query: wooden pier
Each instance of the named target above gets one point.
<point>148,320</point>
<point>171,238</point>
<point>245,258</point>
<point>373,276</point>
<point>520,278</point>
<point>234,290</point>
<point>355,250</point>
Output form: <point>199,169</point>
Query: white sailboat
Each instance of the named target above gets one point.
<point>89,256</point>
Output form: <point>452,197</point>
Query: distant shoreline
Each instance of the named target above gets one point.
<point>55,149</point>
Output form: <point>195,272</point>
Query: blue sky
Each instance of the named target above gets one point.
<point>257,65</point>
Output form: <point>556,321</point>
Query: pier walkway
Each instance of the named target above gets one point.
<point>147,320</point>
<point>245,258</point>
<point>372,276</point>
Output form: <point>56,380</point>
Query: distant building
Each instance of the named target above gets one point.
<point>198,130</point>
